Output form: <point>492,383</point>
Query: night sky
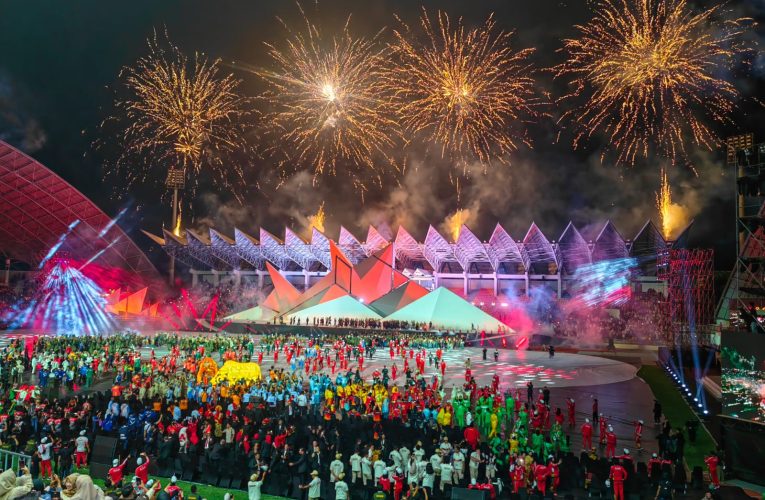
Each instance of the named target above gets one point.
<point>59,60</point>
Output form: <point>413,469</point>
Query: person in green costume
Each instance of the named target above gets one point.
<point>537,442</point>
<point>459,413</point>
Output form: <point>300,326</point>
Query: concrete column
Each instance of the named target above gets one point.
<point>496,285</point>
<point>7,279</point>
<point>465,283</point>
<point>194,277</point>
<point>526,277</point>
<point>560,286</point>
<point>306,278</point>
<point>260,278</point>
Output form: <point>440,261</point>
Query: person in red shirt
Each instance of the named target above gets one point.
<point>518,475</point>
<point>571,412</point>
<point>712,461</point>
<point>173,489</point>
<point>610,443</point>
<point>116,472</point>
<point>142,471</point>
<point>603,426</point>
<point>618,475</point>
<point>554,468</point>
<point>471,436</point>
<point>540,475</point>
<point>654,460</point>
<point>587,435</point>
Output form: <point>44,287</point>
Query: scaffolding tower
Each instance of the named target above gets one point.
<point>689,303</point>
<point>746,283</point>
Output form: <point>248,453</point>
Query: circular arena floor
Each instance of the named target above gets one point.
<point>516,368</point>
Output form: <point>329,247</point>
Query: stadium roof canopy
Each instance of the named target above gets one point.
<point>37,207</point>
<point>536,253</point>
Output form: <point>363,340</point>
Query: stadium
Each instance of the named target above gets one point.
<point>302,271</point>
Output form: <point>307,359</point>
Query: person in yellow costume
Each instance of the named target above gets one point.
<point>494,420</point>
<point>447,416</point>
<point>514,443</point>
<point>440,417</point>
<point>328,396</point>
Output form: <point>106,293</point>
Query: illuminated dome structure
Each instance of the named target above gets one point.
<point>37,207</point>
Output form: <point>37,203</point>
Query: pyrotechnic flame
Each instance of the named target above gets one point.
<point>180,113</point>
<point>317,220</point>
<point>325,105</point>
<point>651,71</point>
<point>454,222</point>
<point>464,89</point>
<point>177,228</point>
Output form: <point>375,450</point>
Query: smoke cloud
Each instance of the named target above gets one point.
<point>17,126</point>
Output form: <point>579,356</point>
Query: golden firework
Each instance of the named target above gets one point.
<point>466,90</point>
<point>651,71</point>
<point>180,113</point>
<point>324,106</point>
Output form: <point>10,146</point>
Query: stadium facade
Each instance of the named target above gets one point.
<point>501,265</point>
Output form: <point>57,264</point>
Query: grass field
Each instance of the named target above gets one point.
<point>203,490</point>
<point>678,412</point>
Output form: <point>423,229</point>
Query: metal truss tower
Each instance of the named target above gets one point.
<point>746,284</point>
<point>689,304</point>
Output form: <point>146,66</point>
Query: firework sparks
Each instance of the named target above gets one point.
<point>672,215</point>
<point>180,113</point>
<point>664,205</point>
<point>325,106</point>
<point>651,70</point>
<point>317,220</point>
<point>466,90</point>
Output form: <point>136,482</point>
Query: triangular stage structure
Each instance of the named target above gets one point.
<point>257,314</point>
<point>345,307</point>
<point>284,296</point>
<point>398,298</point>
<point>446,310</point>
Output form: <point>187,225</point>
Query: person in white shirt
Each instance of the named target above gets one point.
<point>475,462</point>
<point>82,447</point>
<point>458,464</point>
<point>355,468</point>
<point>314,487</point>
<point>491,468</point>
<point>395,457</point>
<point>418,452</point>
<point>404,452</point>
<point>447,471</point>
<point>445,446</point>
<point>341,488</point>
<point>253,486</point>
<point>380,467</point>
<point>336,468</point>
<point>435,461</point>
<point>412,472</point>
<point>366,470</point>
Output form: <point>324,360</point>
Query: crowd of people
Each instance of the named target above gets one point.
<point>318,424</point>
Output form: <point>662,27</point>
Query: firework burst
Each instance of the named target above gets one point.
<point>324,106</point>
<point>180,113</point>
<point>464,89</point>
<point>651,72</point>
